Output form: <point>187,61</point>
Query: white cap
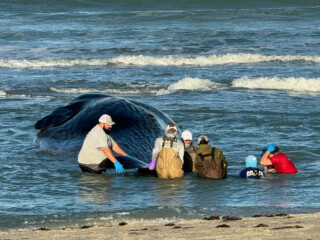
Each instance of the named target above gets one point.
<point>169,127</point>
<point>105,118</point>
<point>203,137</point>
<point>186,135</point>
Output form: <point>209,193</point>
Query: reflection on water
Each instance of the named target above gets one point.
<point>278,191</point>
<point>168,191</point>
<point>94,188</point>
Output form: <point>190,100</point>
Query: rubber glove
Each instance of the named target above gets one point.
<point>271,147</point>
<point>118,166</point>
<point>263,151</point>
<point>152,164</point>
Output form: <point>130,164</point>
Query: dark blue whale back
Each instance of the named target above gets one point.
<point>137,124</point>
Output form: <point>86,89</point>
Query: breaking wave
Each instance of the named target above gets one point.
<point>190,84</point>
<point>298,85</point>
<point>308,85</point>
<point>170,60</point>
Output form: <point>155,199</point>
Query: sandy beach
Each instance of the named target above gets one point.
<point>278,226</point>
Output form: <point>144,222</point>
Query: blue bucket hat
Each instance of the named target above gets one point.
<point>251,161</point>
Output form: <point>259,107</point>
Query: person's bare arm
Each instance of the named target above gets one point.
<point>265,159</point>
<point>108,153</point>
<point>118,149</point>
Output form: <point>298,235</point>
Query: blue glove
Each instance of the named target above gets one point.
<point>263,151</point>
<point>271,147</point>
<point>118,166</point>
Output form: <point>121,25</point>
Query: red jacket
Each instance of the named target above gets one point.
<point>283,164</point>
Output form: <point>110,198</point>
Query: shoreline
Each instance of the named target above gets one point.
<point>279,226</point>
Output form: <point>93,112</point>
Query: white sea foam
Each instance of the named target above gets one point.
<point>308,85</point>
<point>207,60</point>
<point>190,84</point>
<point>2,93</point>
<point>107,91</point>
<point>170,60</point>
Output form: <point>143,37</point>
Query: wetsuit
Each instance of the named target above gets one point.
<point>251,173</point>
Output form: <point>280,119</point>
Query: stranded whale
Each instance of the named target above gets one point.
<point>137,126</point>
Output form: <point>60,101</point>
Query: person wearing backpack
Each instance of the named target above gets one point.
<point>210,161</point>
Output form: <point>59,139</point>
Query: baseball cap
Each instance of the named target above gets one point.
<point>202,137</point>
<point>171,126</point>
<point>105,118</point>
<point>186,135</point>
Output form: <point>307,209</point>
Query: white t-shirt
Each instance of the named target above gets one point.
<point>95,139</point>
<point>177,147</point>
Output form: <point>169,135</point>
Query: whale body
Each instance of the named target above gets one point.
<point>137,125</point>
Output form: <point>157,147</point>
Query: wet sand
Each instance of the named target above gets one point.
<point>279,226</point>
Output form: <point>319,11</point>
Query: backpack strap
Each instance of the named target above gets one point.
<point>212,152</point>
<point>202,156</point>
<point>165,138</point>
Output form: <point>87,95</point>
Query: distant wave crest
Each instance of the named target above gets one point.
<point>2,93</point>
<point>147,88</point>
<point>309,85</point>
<point>171,60</point>
<point>132,91</point>
<point>190,84</point>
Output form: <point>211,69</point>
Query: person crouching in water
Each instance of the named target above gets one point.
<point>189,164</point>
<point>167,154</point>
<point>251,170</point>
<point>272,158</point>
<point>210,161</point>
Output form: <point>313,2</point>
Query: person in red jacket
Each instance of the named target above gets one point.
<point>272,158</point>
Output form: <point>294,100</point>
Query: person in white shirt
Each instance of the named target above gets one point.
<point>96,149</point>
<point>167,154</point>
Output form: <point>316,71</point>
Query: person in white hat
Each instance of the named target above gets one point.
<point>210,161</point>
<point>96,149</point>
<point>167,154</point>
<point>189,152</point>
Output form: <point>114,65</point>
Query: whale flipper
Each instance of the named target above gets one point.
<point>131,162</point>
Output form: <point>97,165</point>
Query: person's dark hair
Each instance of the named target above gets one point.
<point>171,127</point>
<point>276,150</point>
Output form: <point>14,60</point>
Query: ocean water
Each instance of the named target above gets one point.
<point>245,73</point>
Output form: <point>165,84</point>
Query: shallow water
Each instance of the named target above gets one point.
<point>245,74</point>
